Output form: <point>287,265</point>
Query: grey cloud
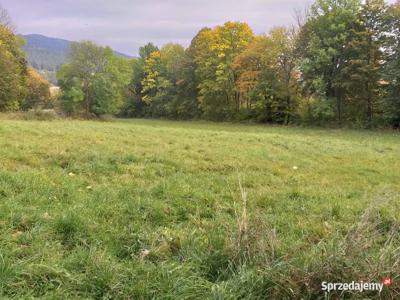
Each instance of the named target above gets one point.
<point>127,24</point>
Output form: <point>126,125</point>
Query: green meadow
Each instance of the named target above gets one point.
<point>145,209</point>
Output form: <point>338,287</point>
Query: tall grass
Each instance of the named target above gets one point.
<point>168,210</point>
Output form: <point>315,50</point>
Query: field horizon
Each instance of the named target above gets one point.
<point>155,209</point>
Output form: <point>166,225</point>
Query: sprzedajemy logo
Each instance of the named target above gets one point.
<point>356,286</point>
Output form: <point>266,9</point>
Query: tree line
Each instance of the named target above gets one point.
<point>339,65</point>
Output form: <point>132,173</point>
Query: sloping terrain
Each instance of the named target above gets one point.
<point>168,210</point>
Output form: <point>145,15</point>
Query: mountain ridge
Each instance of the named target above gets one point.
<point>48,54</point>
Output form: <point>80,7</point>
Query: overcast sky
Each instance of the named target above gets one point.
<point>125,25</point>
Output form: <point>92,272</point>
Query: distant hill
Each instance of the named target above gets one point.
<point>47,54</point>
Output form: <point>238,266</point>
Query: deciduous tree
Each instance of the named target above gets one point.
<point>38,93</point>
<point>392,68</point>
<point>215,52</point>
<point>13,70</point>
<point>98,75</point>
<point>329,30</point>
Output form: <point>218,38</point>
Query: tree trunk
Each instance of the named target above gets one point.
<point>339,107</point>
<point>288,111</point>
<point>369,105</point>
<point>87,100</point>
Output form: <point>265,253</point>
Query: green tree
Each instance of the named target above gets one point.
<point>87,60</point>
<point>72,96</point>
<point>392,68</point>
<point>362,76</point>
<point>185,104</point>
<point>97,74</point>
<point>267,77</point>
<point>134,103</point>
<point>160,90</point>
<point>330,31</point>
<point>110,86</point>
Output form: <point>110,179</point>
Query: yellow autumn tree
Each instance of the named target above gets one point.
<point>267,77</point>
<point>216,50</point>
<point>38,94</point>
<point>12,69</point>
<point>152,72</point>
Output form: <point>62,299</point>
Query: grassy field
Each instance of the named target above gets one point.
<point>167,210</point>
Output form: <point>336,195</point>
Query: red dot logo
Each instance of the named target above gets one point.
<point>387,281</point>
